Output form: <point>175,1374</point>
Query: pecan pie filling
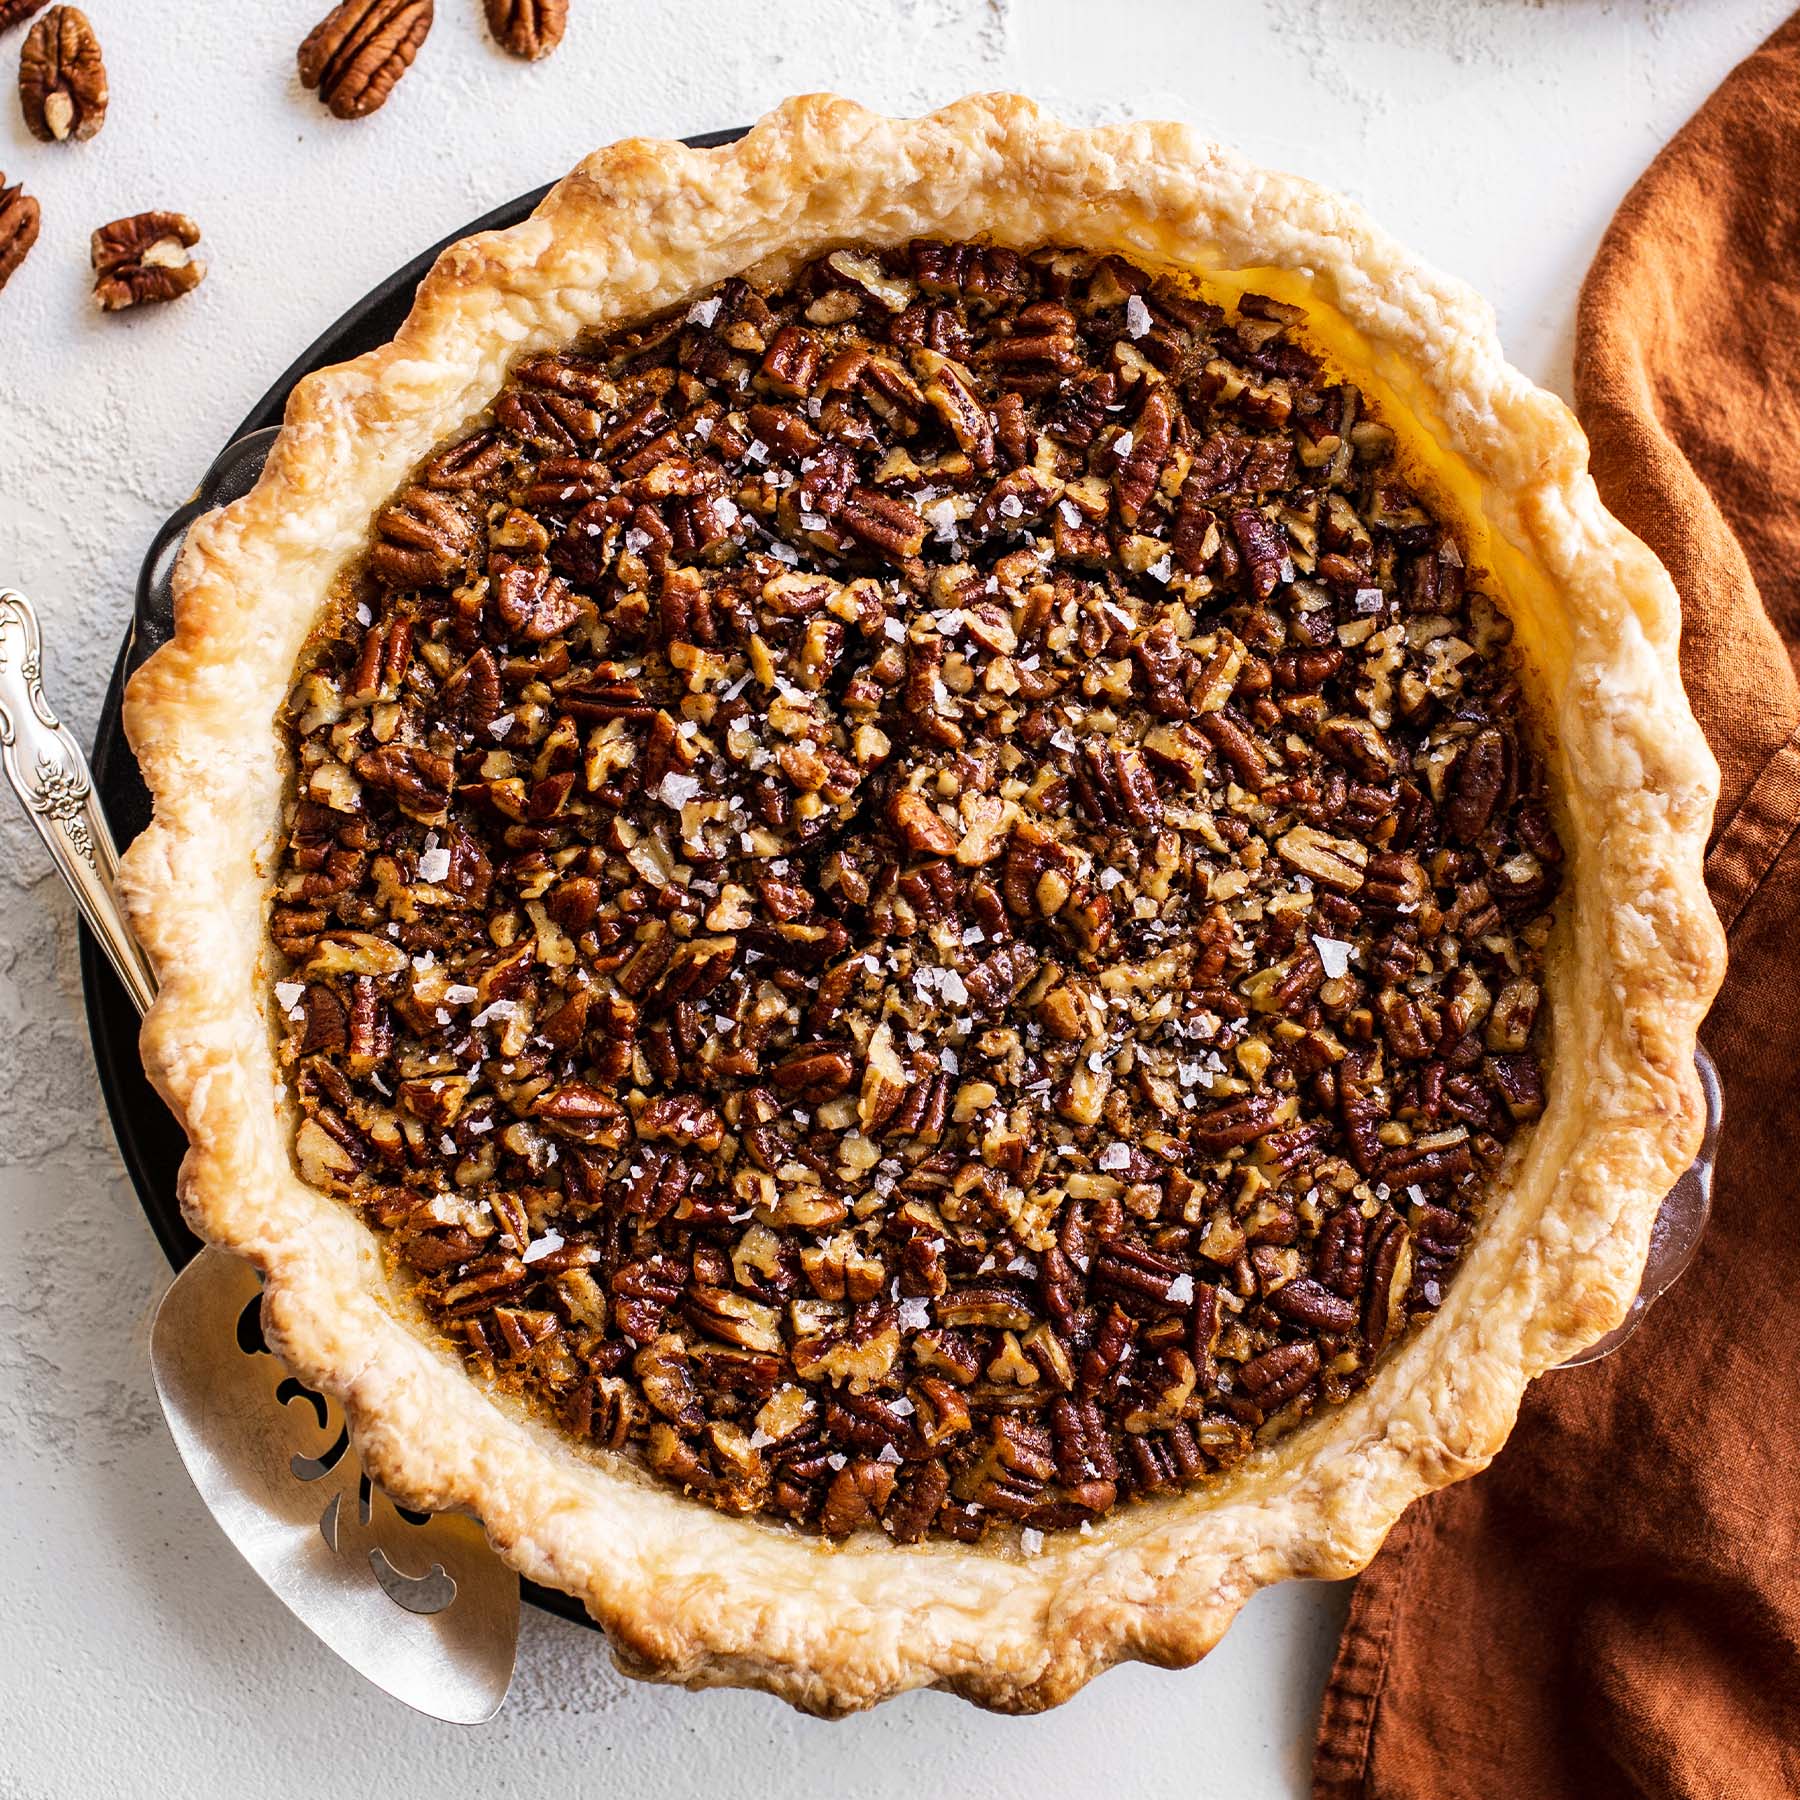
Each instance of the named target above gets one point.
<point>918,893</point>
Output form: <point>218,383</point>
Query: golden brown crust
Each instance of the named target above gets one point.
<point>690,1596</point>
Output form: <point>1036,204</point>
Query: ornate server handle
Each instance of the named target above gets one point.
<point>47,770</point>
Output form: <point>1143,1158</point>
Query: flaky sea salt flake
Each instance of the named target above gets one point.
<point>539,1248</point>
<point>1334,955</point>
<point>677,790</point>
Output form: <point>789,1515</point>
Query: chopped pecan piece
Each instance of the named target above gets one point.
<point>1335,862</point>
<point>1480,776</point>
<point>815,1076</point>
<point>917,821</point>
<point>1307,1303</point>
<point>857,1494</point>
<point>1140,466</point>
<point>424,538</point>
<point>419,779</point>
<point>950,389</point>
<point>585,1113</point>
<point>683,1120</point>
<point>1276,1376</point>
<point>1237,1122</point>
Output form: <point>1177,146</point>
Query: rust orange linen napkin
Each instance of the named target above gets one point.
<point>1614,1607</point>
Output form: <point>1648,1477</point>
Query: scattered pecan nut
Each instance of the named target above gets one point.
<point>19,220</point>
<point>144,259</point>
<point>359,50</point>
<point>16,12</point>
<point>62,77</point>
<point>527,28</point>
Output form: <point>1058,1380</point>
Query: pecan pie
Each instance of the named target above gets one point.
<point>970,910</point>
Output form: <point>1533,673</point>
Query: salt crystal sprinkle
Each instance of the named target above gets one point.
<point>1116,1156</point>
<point>1180,1291</point>
<point>1137,316</point>
<point>1031,1541</point>
<point>460,994</point>
<point>434,862</point>
<point>287,994</point>
<point>941,517</point>
<point>542,1247</point>
<point>1334,954</point>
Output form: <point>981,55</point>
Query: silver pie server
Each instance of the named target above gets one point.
<point>417,1603</point>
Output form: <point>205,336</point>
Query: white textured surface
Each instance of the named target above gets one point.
<point>136,1654</point>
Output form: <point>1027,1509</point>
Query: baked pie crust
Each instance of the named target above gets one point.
<point>692,1596</point>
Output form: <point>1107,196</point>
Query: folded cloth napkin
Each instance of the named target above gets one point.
<point>1614,1607</point>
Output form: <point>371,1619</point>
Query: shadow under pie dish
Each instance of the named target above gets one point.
<point>931,891</point>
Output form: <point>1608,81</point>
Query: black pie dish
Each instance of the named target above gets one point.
<point>150,1142</point>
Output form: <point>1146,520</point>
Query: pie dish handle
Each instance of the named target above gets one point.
<point>1680,1223</point>
<point>233,474</point>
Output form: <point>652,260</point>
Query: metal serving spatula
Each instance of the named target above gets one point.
<point>417,1603</point>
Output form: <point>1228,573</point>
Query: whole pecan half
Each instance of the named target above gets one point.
<point>18,228</point>
<point>62,77</point>
<point>16,12</point>
<point>144,259</point>
<point>527,28</point>
<point>356,53</point>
